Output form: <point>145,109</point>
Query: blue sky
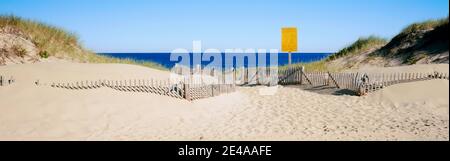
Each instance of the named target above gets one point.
<point>164,25</point>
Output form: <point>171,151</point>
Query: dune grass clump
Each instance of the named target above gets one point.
<point>43,54</point>
<point>361,45</point>
<point>19,51</point>
<point>426,25</point>
<point>57,42</point>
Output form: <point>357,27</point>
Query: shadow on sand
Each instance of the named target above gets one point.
<point>330,90</point>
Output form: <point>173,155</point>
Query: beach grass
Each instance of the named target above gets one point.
<point>361,45</point>
<point>57,42</point>
<point>425,25</point>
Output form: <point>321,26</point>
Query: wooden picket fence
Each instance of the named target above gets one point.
<point>379,81</point>
<point>238,76</point>
<point>199,91</point>
<point>297,75</point>
<point>205,75</point>
<point>225,81</point>
<point>182,90</point>
<point>146,86</point>
<point>6,81</point>
<point>294,75</point>
<point>360,83</point>
<point>272,76</point>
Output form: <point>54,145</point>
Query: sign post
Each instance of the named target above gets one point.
<point>290,58</point>
<point>289,42</point>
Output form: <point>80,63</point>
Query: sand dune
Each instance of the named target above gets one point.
<point>410,111</point>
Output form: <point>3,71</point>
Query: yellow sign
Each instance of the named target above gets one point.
<point>289,39</point>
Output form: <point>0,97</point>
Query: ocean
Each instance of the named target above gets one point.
<point>164,58</point>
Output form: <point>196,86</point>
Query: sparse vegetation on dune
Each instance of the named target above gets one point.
<point>56,42</point>
<point>419,43</point>
<point>426,25</point>
<point>361,45</point>
<point>106,59</point>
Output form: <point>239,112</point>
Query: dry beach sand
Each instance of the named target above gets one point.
<point>409,111</point>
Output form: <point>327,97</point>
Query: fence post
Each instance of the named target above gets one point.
<point>187,92</point>
<point>234,76</point>
<point>257,75</point>
<point>246,76</point>
<point>302,71</point>
<point>333,79</point>
<point>223,75</point>
<point>242,75</point>
<point>212,90</point>
<point>354,80</point>
<point>360,90</point>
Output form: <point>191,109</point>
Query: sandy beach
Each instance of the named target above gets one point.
<point>408,111</point>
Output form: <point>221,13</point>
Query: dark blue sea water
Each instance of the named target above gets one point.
<point>164,58</point>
